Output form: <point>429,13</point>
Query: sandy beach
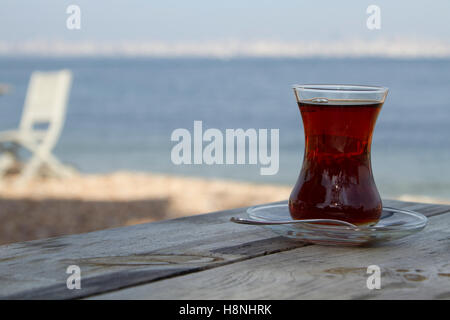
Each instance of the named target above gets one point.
<point>47,207</point>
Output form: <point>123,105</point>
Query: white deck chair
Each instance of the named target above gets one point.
<point>41,124</point>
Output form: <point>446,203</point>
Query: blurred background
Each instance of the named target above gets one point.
<point>141,69</point>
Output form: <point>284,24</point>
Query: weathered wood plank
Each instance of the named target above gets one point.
<point>116,258</point>
<point>122,257</point>
<point>417,267</point>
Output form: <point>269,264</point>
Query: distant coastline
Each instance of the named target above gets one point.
<point>352,48</point>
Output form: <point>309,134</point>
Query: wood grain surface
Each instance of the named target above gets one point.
<point>206,256</point>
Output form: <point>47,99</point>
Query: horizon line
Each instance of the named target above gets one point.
<point>381,48</point>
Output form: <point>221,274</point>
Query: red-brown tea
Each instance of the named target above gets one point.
<point>336,180</point>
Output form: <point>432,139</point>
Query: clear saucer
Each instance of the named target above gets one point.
<point>394,224</point>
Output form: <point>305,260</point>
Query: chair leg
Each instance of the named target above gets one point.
<point>38,160</point>
<point>57,167</point>
<point>29,170</point>
<point>7,160</point>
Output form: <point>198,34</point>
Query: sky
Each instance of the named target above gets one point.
<point>213,21</point>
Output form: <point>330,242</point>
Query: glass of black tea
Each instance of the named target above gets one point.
<point>336,179</point>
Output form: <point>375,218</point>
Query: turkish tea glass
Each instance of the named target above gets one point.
<point>336,179</point>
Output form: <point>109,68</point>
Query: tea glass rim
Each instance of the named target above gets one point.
<point>341,88</point>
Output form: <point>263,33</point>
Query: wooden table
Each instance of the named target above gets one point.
<point>207,257</point>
